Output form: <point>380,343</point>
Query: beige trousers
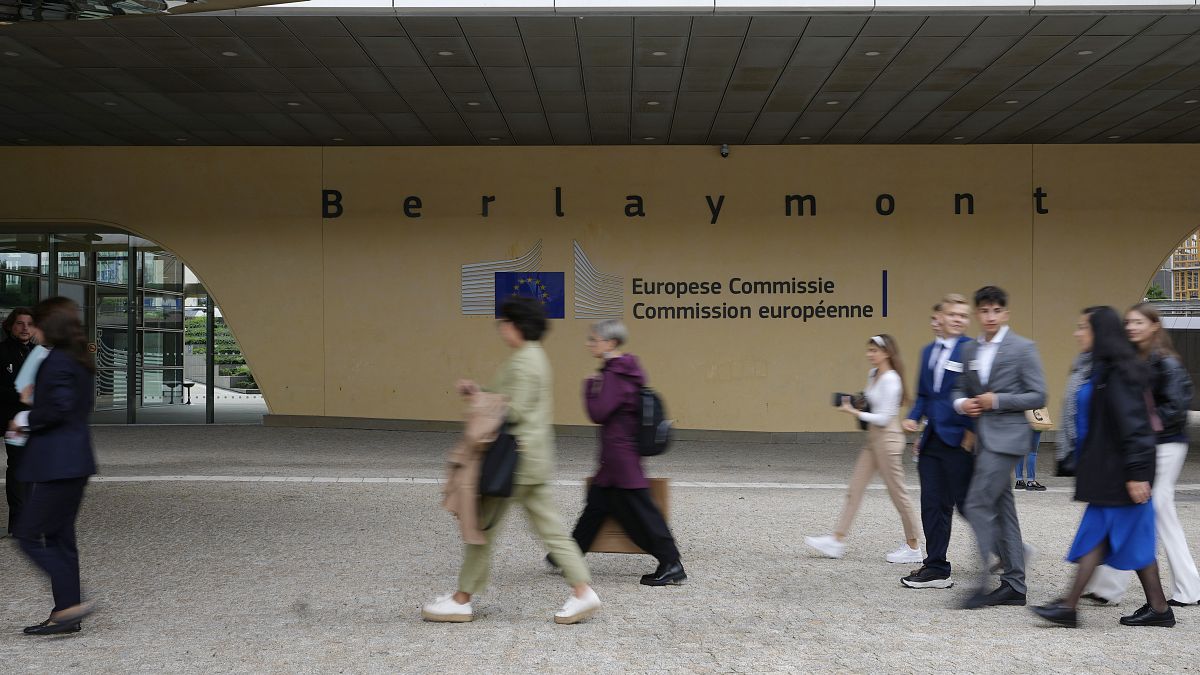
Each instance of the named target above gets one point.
<point>543,518</point>
<point>883,454</point>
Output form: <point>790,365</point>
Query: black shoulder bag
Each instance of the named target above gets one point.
<point>499,465</point>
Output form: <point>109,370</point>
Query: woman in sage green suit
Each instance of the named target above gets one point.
<point>525,380</point>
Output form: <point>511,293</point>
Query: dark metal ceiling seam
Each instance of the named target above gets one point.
<point>775,86</point>
<point>964,85</point>
<point>587,107</point>
<point>725,92</point>
<point>678,83</point>
<point>532,78</point>
<point>817,91</point>
<point>60,129</point>
<point>1067,48</point>
<point>354,36</point>
<point>878,75</point>
<point>1129,70</point>
<point>486,83</point>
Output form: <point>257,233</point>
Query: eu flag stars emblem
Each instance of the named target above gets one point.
<point>548,288</point>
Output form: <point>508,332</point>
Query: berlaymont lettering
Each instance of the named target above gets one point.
<point>333,204</point>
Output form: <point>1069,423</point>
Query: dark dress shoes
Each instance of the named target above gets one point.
<point>1057,613</point>
<point>1146,616</point>
<point>49,627</point>
<point>666,575</point>
<point>1176,603</point>
<point>1005,595</point>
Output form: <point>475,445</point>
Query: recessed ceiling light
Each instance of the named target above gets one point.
<point>229,54</point>
<point>1012,101</point>
<point>294,104</point>
<point>832,102</point>
<point>1191,101</point>
<point>872,53</point>
<point>959,138</point>
<point>445,53</point>
<point>337,139</point>
<point>648,138</point>
<point>472,103</point>
<point>110,103</point>
<point>494,138</point>
<point>1085,52</point>
<point>806,138</point>
<point>1113,138</point>
<point>22,140</point>
<point>658,53</point>
<point>12,53</point>
<point>651,102</point>
<point>181,140</point>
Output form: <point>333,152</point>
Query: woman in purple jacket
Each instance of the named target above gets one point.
<point>620,488</point>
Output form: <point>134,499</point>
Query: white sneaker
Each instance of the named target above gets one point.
<point>445,610</point>
<point>904,554</point>
<point>827,545</point>
<point>578,609</point>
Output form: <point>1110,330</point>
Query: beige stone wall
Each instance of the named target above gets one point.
<point>359,315</point>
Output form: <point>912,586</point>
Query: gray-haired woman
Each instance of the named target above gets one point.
<point>619,488</point>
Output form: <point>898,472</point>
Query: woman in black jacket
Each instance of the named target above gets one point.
<point>1171,387</point>
<point>58,460</point>
<point>1115,470</point>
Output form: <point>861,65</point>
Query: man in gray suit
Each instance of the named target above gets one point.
<point>1003,380</point>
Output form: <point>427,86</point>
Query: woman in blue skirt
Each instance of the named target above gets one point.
<point>1116,446</point>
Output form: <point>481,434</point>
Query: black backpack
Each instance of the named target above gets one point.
<point>654,429</point>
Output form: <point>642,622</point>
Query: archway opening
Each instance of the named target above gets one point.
<point>1175,291</point>
<point>138,300</point>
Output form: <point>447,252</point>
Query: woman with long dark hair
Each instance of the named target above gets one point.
<point>1114,474</point>
<point>1171,388</point>
<point>883,453</point>
<point>58,459</point>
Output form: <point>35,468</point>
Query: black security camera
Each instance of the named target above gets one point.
<point>724,149</point>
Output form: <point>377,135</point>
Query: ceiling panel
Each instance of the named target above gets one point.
<point>903,78</point>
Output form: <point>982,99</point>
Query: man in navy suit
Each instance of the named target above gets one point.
<point>946,462</point>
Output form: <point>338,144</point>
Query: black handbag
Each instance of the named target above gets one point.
<point>499,465</point>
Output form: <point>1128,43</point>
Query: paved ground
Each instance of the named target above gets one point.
<point>261,575</point>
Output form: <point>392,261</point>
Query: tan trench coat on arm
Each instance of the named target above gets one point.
<point>460,495</point>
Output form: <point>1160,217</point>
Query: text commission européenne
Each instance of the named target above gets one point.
<point>740,286</point>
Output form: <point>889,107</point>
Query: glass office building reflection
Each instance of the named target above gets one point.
<point>107,272</point>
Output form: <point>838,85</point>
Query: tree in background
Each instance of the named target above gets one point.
<point>1155,292</point>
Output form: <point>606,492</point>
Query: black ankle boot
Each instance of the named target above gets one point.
<point>666,575</point>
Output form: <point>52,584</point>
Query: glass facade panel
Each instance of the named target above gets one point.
<point>22,252</point>
<point>162,387</point>
<point>162,349</point>
<point>74,255</point>
<point>112,348</point>
<point>111,389</point>
<point>17,290</point>
<point>162,271</point>
<point>112,306</point>
<point>112,267</point>
<point>162,311</point>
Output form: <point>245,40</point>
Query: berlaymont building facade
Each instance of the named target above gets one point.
<point>755,186</point>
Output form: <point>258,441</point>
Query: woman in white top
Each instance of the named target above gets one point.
<point>883,453</point>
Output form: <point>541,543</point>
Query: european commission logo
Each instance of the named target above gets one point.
<point>548,288</point>
<point>486,284</point>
